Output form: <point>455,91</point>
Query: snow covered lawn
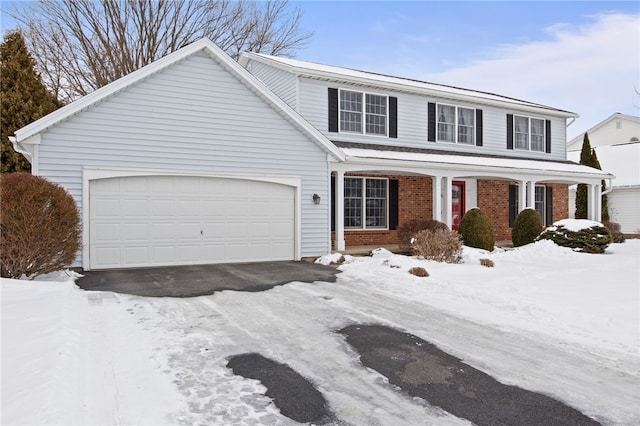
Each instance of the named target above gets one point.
<point>544,318</point>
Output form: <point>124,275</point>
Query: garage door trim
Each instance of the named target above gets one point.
<point>95,173</point>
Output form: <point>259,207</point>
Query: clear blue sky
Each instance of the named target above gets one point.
<point>581,56</point>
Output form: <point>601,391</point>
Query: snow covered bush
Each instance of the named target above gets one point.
<point>441,245</point>
<point>579,234</point>
<point>476,230</point>
<point>616,231</point>
<point>40,226</point>
<point>408,230</point>
<point>526,227</point>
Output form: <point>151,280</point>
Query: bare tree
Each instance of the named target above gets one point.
<point>82,45</point>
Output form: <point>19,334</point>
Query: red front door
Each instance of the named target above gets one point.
<point>457,204</point>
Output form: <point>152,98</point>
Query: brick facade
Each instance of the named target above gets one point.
<point>415,202</point>
<point>493,199</point>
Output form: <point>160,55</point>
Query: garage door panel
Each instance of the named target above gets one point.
<point>167,220</point>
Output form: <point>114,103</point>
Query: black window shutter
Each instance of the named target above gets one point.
<point>333,203</point>
<point>509,131</point>
<point>513,197</point>
<point>431,122</point>
<point>478,127</point>
<point>393,117</point>
<point>393,203</point>
<point>548,203</point>
<point>333,109</point>
<point>547,136</point>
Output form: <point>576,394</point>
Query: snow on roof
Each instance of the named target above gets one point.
<point>479,162</point>
<point>623,161</point>
<point>331,72</point>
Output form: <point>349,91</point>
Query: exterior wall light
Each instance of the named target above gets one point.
<point>316,199</point>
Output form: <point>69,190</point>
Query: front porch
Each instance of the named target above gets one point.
<point>427,187</point>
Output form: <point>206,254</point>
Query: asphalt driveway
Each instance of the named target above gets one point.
<point>202,280</point>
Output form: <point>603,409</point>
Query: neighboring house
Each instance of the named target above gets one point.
<point>192,159</point>
<point>617,129</point>
<point>617,144</point>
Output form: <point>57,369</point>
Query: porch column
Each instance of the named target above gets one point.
<point>437,197</point>
<point>447,188</point>
<point>531,196</point>
<point>598,203</point>
<point>594,202</point>
<point>339,232</point>
<point>522,195</point>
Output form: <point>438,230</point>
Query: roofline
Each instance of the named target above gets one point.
<point>403,84</point>
<point>607,120</point>
<point>203,44</point>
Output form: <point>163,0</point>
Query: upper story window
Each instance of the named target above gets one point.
<point>456,124</point>
<point>363,113</point>
<point>528,133</point>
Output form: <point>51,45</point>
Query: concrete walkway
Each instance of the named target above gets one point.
<point>202,280</point>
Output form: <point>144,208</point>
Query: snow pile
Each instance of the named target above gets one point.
<point>544,318</point>
<point>575,225</point>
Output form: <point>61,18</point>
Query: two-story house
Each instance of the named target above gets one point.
<point>421,150</point>
<point>196,158</point>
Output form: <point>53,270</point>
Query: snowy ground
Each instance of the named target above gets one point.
<point>544,318</point>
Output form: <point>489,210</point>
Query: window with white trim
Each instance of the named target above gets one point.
<point>539,202</point>
<point>356,105</point>
<point>528,133</point>
<point>365,203</point>
<point>456,124</point>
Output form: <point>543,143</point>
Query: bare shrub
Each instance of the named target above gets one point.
<point>408,230</point>
<point>441,245</point>
<point>487,262</point>
<point>40,226</point>
<point>418,271</point>
<point>616,231</point>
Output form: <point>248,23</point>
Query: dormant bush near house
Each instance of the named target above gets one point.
<point>441,245</point>
<point>40,226</point>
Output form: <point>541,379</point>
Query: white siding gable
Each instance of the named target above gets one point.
<point>282,83</point>
<point>193,116</point>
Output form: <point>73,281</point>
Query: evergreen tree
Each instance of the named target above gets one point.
<point>23,98</point>
<point>581,193</point>
<point>605,204</point>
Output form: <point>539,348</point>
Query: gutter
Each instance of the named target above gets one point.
<point>20,149</point>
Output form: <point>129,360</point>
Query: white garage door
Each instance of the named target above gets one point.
<point>179,220</point>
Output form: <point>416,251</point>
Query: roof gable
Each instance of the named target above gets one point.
<point>576,143</point>
<point>30,132</point>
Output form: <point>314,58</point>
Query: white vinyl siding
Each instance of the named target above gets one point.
<point>193,116</point>
<point>280,82</point>
<point>412,123</point>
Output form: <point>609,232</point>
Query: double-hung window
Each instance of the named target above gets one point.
<point>365,203</point>
<point>539,203</point>
<point>455,124</point>
<point>363,113</point>
<point>528,133</point>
